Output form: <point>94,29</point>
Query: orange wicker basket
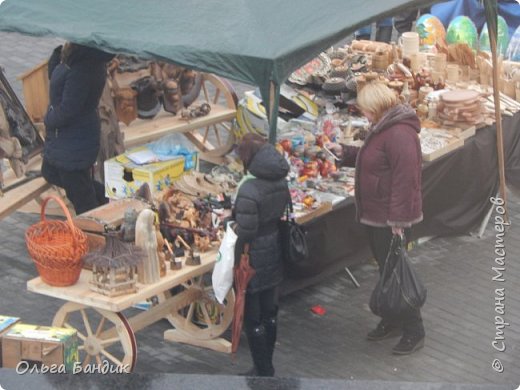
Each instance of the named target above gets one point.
<point>56,247</point>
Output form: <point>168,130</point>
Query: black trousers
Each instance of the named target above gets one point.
<point>379,239</point>
<point>260,307</point>
<point>80,187</point>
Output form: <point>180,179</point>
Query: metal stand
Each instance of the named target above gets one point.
<point>352,277</point>
<point>485,221</point>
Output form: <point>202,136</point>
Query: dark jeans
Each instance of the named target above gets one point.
<point>260,307</point>
<point>80,187</point>
<point>379,239</point>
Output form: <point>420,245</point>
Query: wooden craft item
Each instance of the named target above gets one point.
<point>128,225</point>
<point>113,267</point>
<point>126,105</point>
<point>192,258</point>
<point>145,238</point>
<point>108,216</point>
<point>458,96</point>
<point>160,252</point>
<point>380,61</point>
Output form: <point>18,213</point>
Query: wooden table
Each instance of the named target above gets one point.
<point>103,328</point>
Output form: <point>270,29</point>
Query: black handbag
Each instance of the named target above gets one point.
<point>399,290</point>
<point>294,239</point>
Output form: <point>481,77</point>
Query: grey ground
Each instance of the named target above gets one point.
<point>459,314</point>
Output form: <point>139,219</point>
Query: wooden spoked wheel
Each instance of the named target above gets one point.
<point>103,335</point>
<point>216,140</point>
<point>197,313</point>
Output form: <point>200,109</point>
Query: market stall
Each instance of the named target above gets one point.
<point>460,169</point>
<point>456,192</point>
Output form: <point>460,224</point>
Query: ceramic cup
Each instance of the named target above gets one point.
<point>423,92</point>
<point>417,61</point>
<point>453,73</point>
<point>464,73</point>
<point>437,77</point>
<point>409,43</point>
<point>438,62</point>
<point>474,75</point>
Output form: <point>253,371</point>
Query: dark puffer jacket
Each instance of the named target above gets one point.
<point>259,205</point>
<point>72,122</point>
<point>388,171</point>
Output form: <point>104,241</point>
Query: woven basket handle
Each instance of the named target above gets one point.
<point>65,211</point>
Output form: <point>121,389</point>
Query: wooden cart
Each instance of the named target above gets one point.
<point>106,333</point>
<point>213,135</point>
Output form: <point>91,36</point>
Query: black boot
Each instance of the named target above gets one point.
<point>384,330</point>
<point>413,336</point>
<point>271,325</point>
<point>259,351</point>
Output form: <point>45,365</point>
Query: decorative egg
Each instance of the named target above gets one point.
<point>462,30</point>
<point>430,30</point>
<point>513,50</point>
<point>502,37</point>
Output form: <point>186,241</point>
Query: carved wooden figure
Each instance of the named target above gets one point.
<point>146,238</point>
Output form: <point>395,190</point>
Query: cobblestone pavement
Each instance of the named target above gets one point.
<point>459,315</point>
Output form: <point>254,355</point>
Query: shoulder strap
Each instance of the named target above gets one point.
<point>289,210</point>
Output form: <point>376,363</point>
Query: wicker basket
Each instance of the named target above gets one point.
<point>56,247</point>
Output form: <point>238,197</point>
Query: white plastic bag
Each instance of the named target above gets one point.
<point>222,277</point>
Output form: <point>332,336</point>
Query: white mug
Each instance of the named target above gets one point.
<point>409,43</point>
<point>453,72</point>
<point>438,62</point>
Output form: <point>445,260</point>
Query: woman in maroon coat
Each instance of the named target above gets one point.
<point>388,190</point>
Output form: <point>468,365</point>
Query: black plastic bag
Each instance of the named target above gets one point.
<point>294,240</point>
<point>399,290</point>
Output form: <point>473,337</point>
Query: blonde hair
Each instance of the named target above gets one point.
<point>376,98</point>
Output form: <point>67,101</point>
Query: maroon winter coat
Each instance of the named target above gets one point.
<point>388,171</point>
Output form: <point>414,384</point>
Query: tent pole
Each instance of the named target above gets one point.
<point>491,17</point>
<point>272,110</point>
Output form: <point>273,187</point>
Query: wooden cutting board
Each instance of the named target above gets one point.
<point>461,96</point>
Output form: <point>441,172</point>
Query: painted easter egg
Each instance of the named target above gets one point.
<point>513,50</point>
<point>502,37</point>
<point>430,30</point>
<point>462,30</point>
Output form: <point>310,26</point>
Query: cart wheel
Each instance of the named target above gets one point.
<point>203,317</point>
<point>103,335</point>
<point>215,140</point>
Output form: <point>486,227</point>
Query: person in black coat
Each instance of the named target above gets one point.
<point>77,78</point>
<point>261,201</point>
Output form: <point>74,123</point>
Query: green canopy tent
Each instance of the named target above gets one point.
<point>257,42</point>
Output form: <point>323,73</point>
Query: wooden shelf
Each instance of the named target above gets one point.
<point>141,131</point>
<point>17,197</point>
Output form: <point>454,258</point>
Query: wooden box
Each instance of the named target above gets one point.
<point>40,345</point>
<point>6,323</point>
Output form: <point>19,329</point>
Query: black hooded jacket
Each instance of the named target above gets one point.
<point>72,122</point>
<point>259,205</point>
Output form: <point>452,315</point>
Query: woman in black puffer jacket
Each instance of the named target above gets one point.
<point>72,123</point>
<point>261,201</point>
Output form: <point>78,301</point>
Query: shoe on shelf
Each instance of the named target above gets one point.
<point>408,344</point>
<point>383,331</point>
